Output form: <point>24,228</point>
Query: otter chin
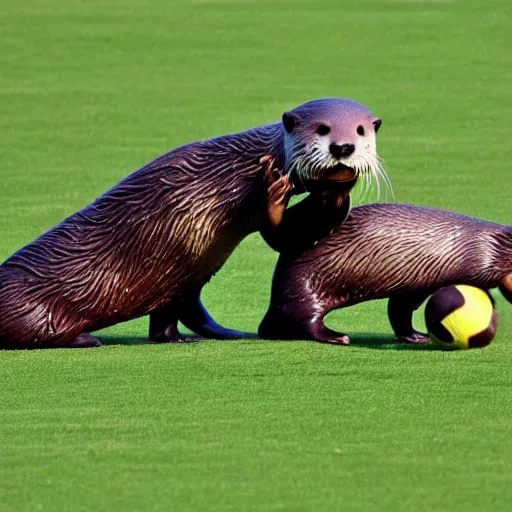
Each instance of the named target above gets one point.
<point>339,178</point>
<point>340,173</point>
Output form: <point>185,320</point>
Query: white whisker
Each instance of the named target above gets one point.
<point>313,163</point>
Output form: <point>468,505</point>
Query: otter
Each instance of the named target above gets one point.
<point>385,250</point>
<point>149,245</point>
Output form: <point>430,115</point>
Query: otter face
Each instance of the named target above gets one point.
<point>331,139</point>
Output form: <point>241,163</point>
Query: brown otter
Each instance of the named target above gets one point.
<point>148,245</point>
<point>399,251</point>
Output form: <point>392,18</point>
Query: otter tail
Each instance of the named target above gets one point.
<point>504,262</point>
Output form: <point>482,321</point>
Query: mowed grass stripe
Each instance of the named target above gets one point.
<point>256,416</point>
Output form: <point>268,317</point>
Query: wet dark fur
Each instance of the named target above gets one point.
<point>399,251</point>
<point>150,242</point>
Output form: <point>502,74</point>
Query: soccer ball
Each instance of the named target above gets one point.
<point>461,317</point>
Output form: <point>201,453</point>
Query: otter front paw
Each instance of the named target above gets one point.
<point>278,196</point>
<point>341,339</point>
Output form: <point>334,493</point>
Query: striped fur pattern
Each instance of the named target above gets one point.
<point>386,250</point>
<point>163,230</point>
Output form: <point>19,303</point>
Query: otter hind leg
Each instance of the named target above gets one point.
<point>195,317</point>
<point>163,325</point>
<point>400,311</point>
<point>310,325</point>
<point>321,333</point>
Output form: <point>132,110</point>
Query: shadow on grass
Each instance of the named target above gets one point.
<point>373,341</point>
<point>143,340</point>
<point>120,340</point>
<point>377,341</point>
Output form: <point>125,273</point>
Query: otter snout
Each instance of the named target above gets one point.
<point>341,150</point>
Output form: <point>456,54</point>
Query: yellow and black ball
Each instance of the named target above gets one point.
<point>461,317</point>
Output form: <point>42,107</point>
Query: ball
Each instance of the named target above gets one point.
<point>461,317</point>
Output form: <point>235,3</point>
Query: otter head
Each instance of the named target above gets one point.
<point>331,140</point>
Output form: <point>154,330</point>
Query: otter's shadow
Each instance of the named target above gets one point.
<point>372,341</point>
<point>106,340</point>
<point>375,341</point>
<point>143,340</point>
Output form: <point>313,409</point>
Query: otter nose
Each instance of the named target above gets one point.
<point>341,150</point>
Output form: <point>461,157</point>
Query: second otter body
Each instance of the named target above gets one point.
<point>399,251</point>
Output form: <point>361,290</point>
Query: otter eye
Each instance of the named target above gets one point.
<point>360,130</point>
<point>323,129</point>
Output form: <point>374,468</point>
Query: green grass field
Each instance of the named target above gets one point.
<point>90,91</point>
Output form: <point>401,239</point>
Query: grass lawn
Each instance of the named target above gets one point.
<point>90,91</point>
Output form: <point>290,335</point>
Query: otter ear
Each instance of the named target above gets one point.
<point>376,123</point>
<point>290,121</point>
